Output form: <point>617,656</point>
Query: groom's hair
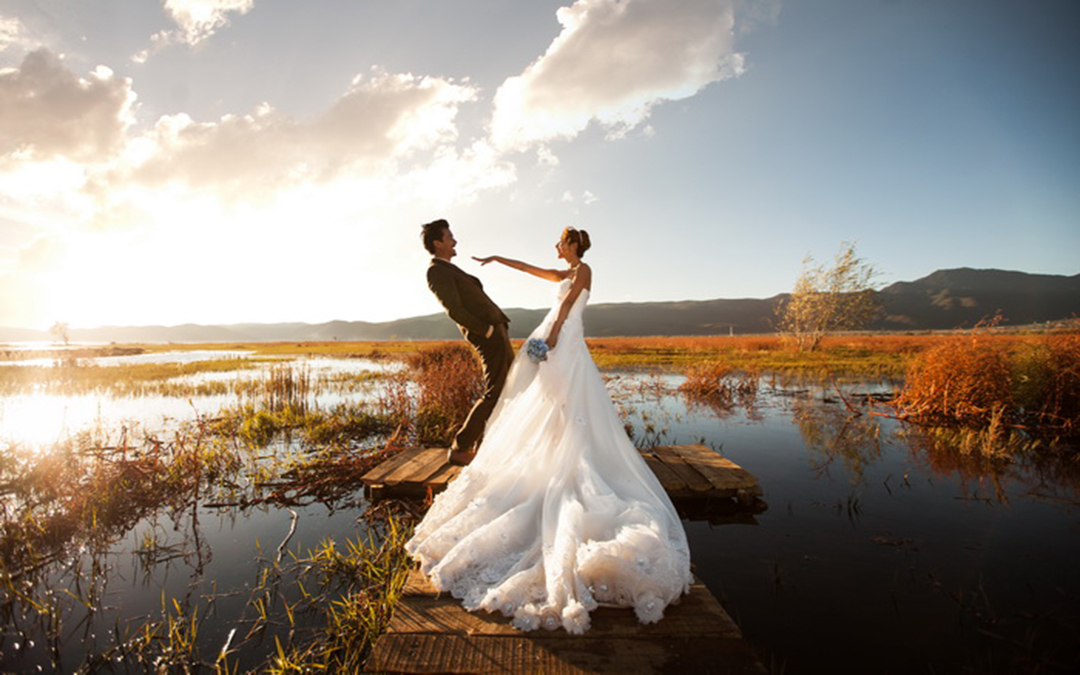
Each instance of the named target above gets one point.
<point>432,232</point>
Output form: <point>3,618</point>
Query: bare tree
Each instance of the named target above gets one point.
<point>829,299</point>
<point>60,332</point>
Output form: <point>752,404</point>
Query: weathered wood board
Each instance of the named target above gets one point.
<point>432,633</point>
<point>687,472</point>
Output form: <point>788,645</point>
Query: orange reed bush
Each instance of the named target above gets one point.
<point>715,384</point>
<point>1048,384</point>
<point>705,380</point>
<point>965,380</point>
<point>449,380</point>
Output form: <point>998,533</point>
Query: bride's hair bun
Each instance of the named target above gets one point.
<point>580,237</point>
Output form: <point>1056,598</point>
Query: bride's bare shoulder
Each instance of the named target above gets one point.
<point>583,274</point>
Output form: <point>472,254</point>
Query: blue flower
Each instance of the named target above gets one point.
<point>537,350</point>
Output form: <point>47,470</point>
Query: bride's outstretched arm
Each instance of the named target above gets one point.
<point>550,275</point>
<point>582,280</point>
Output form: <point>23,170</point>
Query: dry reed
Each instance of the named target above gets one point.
<point>988,384</point>
<point>449,380</point>
<point>719,386</point>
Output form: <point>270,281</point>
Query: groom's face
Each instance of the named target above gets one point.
<point>445,248</point>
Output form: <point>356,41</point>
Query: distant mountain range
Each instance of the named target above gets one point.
<point>946,299</point>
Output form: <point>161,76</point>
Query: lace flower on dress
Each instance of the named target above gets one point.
<point>575,618</point>
<point>550,619</point>
<point>526,619</point>
<point>649,608</point>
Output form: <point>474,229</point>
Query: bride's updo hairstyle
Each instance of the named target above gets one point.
<point>579,237</point>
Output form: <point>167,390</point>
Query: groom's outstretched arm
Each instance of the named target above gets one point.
<point>442,284</point>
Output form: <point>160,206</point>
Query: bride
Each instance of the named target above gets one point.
<point>558,513</point>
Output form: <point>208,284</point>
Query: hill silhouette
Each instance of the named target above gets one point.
<point>945,299</point>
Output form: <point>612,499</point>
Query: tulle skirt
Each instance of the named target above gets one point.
<point>558,513</point>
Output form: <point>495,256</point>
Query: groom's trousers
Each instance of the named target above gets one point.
<point>496,355</point>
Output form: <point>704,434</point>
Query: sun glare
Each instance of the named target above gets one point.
<point>36,421</point>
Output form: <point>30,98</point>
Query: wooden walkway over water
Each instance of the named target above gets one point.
<point>432,633</point>
<point>687,472</point>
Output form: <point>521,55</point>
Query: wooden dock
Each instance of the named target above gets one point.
<point>432,633</point>
<point>691,475</point>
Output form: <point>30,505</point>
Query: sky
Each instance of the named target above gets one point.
<point>233,161</point>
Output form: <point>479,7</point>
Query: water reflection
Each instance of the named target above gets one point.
<point>832,432</point>
<point>914,552</point>
<point>50,414</point>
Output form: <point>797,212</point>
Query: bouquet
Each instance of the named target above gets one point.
<point>537,350</point>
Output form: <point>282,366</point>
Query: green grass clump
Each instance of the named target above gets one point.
<point>367,575</point>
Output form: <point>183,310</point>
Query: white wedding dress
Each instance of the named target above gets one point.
<point>558,513</point>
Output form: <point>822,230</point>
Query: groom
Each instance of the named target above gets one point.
<point>481,322</point>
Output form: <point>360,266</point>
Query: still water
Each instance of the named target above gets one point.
<point>879,552</point>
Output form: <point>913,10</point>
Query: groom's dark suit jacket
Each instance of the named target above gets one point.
<point>464,298</point>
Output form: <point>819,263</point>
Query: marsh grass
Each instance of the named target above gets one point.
<point>361,581</point>
<point>277,449</point>
<point>88,491</point>
<point>133,379</point>
<point>841,357</point>
<point>995,388</point>
<point>67,505</point>
<point>716,385</point>
<point>449,381</point>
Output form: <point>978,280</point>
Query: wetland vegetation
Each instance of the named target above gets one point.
<point>229,532</point>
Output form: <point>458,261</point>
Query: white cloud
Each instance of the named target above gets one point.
<point>196,21</point>
<point>586,197</point>
<point>376,127</point>
<point>613,61</point>
<point>12,34</point>
<point>131,204</point>
<point>46,111</point>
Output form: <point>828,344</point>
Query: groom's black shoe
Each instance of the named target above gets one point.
<point>459,458</point>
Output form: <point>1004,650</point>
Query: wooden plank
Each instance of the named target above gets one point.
<point>418,469</point>
<point>685,471</point>
<point>696,614</point>
<point>670,480</point>
<point>425,653</point>
<point>417,583</point>
<point>695,482</point>
<point>443,476</point>
<point>376,475</point>
<point>724,474</point>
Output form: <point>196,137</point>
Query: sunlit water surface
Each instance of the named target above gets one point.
<point>875,555</point>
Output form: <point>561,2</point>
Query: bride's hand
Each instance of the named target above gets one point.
<point>552,340</point>
<point>484,261</point>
